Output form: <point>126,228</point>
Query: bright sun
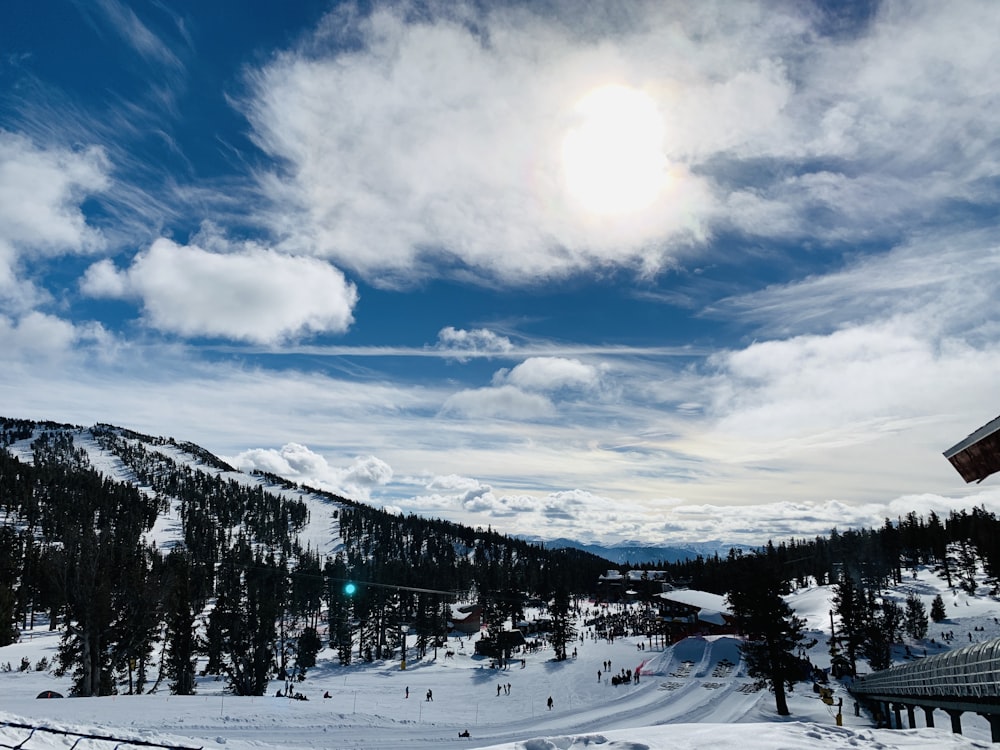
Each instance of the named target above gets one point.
<point>613,153</point>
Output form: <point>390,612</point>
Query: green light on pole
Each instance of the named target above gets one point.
<point>350,588</point>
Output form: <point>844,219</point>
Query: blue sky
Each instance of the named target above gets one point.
<point>655,271</point>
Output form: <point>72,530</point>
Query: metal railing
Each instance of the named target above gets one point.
<point>971,672</point>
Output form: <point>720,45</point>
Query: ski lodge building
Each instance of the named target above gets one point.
<point>685,612</point>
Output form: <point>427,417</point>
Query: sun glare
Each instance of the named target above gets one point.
<point>612,154</point>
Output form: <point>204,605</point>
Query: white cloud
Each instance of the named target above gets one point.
<point>135,33</point>
<point>809,395</point>
<point>522,392</point>
<point>942,283</point>
<point>102,279</point>
<point>459,493</point>
<point>367,471</point>
<point>299,463</point>
<point>427,140</point>
<point>40,194</point>
<point>549,374</point>
<point>41,190</point>
<point>505,402</point>
<point>251,294</point>
<point>477,341</point>
<point>38,336</point>
<point>897,115</point>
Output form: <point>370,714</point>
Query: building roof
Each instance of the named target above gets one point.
<point>978,456</point>
<point>712,608</point>
<point>651,575</point>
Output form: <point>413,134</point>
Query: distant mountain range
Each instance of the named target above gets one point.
<point>637,553</point>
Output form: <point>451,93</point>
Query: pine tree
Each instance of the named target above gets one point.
<point>85,646</point>
<point>915,618</point>
<point>938,612</point>
<point>882,631</point>
<point>338,608</point>
<point>10,565</point>
<point>770,629</point>
<point>181,643</point>
<point>563,630</point>
<point>307,646</point>
<point>848,606</point>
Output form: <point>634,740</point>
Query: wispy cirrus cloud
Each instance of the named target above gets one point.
<point>132,30</point>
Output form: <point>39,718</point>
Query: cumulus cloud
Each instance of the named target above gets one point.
<point>300,464</point>
<point>424,141</point>
<point>40,195</point>
<point>41,192</point>
<point>524,392</point>
<point>589,517</point>
<point>549,374</point>
<point>478,341</point>
<point>424,138</point>
<point>38,336</point>
<point>470,494</point>
<point>250,294</point>
<point>451,492</point>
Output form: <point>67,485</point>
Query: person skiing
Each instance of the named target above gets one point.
<point>550,703</point>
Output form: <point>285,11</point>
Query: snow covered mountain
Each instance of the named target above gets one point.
<point>637,553</point>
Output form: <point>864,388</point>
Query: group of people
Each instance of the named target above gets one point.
<point>605,624</point>
<point>428,697</point>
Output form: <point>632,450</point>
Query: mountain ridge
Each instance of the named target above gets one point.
<point>640,553</point>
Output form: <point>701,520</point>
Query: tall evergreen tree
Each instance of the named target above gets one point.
<point>938,612</point>
<point>915,618</point>
<point>338,608</point>
<point>85,648</point>
<point>307,646</point>
<point>563,631</point>
<point>10,560</point>
<point>882,631</point>
<point>181,644</point>
<point>848,606</point>
<point>770,629</point>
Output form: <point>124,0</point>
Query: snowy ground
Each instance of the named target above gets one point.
<point>693,696</point>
